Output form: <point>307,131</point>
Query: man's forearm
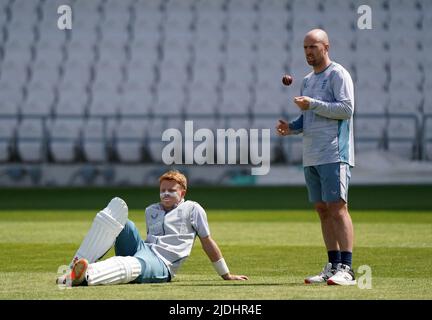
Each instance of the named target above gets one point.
<point>211,249</point>
<point>296,126</point>
<point>215,255</point>
<point>340,110</point>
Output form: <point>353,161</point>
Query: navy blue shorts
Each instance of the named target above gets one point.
<point>328,182</point>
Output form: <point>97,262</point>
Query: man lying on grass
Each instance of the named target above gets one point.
<point>172,225</point>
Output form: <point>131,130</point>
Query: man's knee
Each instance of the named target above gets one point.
<point>129,226</point>
<point>126,244</point>
<point>337,209</point>
<point>321,209</point>
<point>127,229</point>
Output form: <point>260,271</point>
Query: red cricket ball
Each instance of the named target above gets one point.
<point>287,80</point>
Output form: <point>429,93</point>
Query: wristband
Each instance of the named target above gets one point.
<point>221,267</point>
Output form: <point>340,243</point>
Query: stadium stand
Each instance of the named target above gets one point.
<point>129,140</point>
<point>7,139</point>
<point>95,141</point>
<point>64,139</point>
<point>107,89</point>
<point>31,133</point>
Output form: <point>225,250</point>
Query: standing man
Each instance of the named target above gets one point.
<point>326,103</point>
<point>172,226</point>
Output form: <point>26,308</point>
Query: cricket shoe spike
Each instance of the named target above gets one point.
<point>327,272</point>
<point>76,276</point>
<point>344,276</point>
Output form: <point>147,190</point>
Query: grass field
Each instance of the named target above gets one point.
<point>268,234</point>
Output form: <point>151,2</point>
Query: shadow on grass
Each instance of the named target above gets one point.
<point>242,283</point>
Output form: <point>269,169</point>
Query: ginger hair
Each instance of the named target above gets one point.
<point>174,175</point>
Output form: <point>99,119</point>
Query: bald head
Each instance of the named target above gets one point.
<point>316,46</point>
<point>317,35</point>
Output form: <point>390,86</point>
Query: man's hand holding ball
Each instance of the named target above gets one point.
<point>302,102</point>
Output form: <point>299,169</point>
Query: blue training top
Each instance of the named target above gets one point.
<point>327,126</point>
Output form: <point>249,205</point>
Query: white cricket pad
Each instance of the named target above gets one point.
<point>118,210</point>
<point>114,270</point>
<point>106,226</point>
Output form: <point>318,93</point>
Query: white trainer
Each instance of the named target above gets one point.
<point>327,272</point>
<point>344,276</point>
